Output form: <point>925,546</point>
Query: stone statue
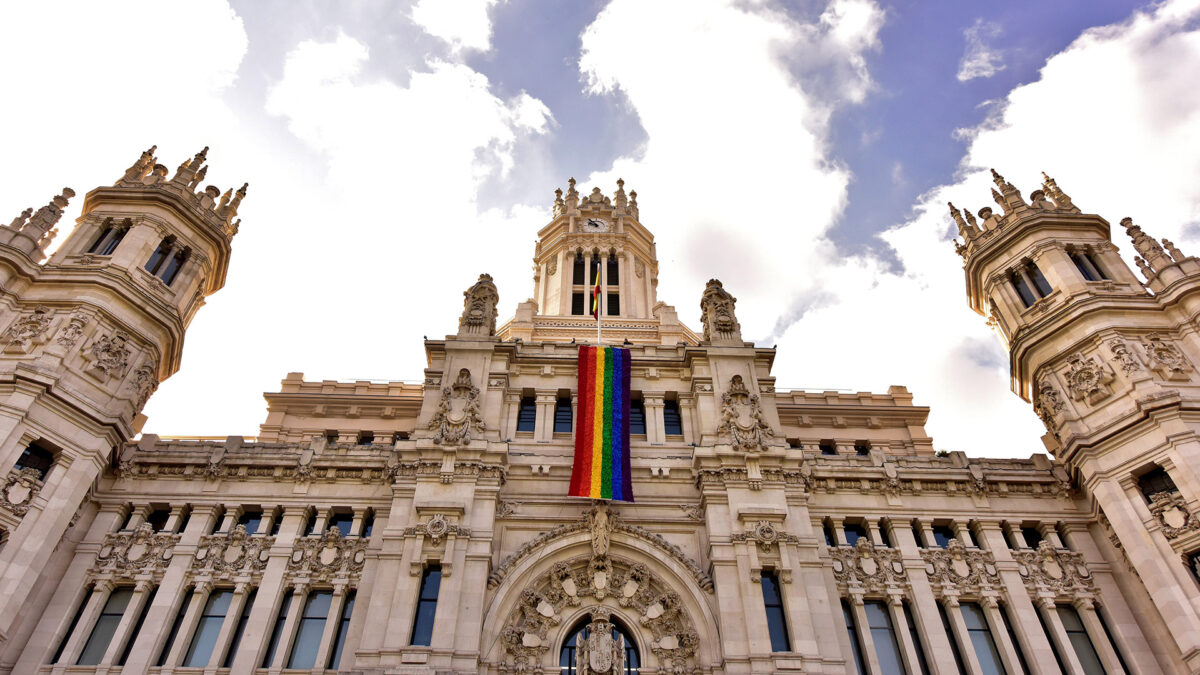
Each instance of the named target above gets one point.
<point>601,526</point>
<point>599,652</point>
<point>716,314</point>
<point>479,308</point>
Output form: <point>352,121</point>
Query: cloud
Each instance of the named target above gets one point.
<point>980,59</point>
<point>464,24</point>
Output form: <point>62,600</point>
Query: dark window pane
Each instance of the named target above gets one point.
<point>527,414</point>
<point>950,636</point>
<point>109,246</point>
<point>159,255</point>
<point>101,239</point>
<point>1012,637</point>
<point>1156,481</point>
<point>830,540</point>
<point>171,269</point>
<point>137,628</point>
<point>614,304</point>
<point>862,448</point>
<point>613,274</point>
<point>205,636</point>
<point>577,304</point>
<point>1032,536</point>
<point>1095,265</point>
<point>240,629</point>
<point>1108,634</point>
<point>562,416</point>
<point>637,417</point>
<point>308,633</point>
<point>1080,641</point>
<point>1027,296</point>
<point>251,520</point>
<point>887,650</point>
<point>1050,639</point>
<point>366,437</point>
<point>672,420</point>
<point>981,639</point>
<point>854,532</point>
<point>577,271</point>
<point>368,524</point>
<point>1043,287</point>
<point>175,626</point>
<point>426,606</point>
<point>883,534</point>
<point>916,638</point>
<point>852,631</point>
<point>341,522</point>
<point>158,519</point>
<point>776,622</point>
<point>37,458</point>
<point>105,627</point>
<point>74,624</point>
<point>277,631</point>
<point>310,525</point>
<point>942,535</point>
<point>1083,270</point>
<point>339,640</point>
<point>827,448</point>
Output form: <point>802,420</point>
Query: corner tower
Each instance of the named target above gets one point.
<point>87,337</point>
<point>1108,363</point>
<point>590,239</point>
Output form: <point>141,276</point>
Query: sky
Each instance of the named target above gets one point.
<point>801,152</point>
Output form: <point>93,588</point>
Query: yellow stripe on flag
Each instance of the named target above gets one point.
<point>598,426</point>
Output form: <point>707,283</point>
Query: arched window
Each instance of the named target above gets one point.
<point>108,239</point>
<point>566,657</point>
<point>577,273</point>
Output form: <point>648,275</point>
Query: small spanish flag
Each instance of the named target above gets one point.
<point>596,294</point>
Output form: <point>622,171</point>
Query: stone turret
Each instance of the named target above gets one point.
<point>1109,366</point>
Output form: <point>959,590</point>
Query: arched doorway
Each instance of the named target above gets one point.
<point>580,633</point>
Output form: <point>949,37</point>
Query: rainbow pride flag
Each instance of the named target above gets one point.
<point>601,469</point>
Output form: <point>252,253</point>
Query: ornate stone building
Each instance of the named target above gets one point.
<point>421,527</point>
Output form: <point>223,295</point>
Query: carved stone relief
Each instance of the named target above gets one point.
<point>1088,379</point>
<point>27,332</point>
<point>600,653</point>
<point>527,634</point>
<point>327,557</point>
<point>71,332</point>
<point>1048,403</point>
<point>865,568</point>
<point>144,383</point>
<point>437,528</point>
<point>458,412</point>
<point>19,489</point>
<point>232,554</point>
<point>742,421</point>
<point>1057,571</point>
<point>766,535</point>
<point>141,551</point>
<point>717,315</point>
<point>1172,512</point>
<point>1124,356</point>
<point>1166,359</point>
<point>109,356</point>
<point>960,569</point>
<point>479,308</point>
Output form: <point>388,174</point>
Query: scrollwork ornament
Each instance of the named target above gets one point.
<point>71,332</point>
<point>236,553</point>
<point>127,554</point>
<point>1087,379</point>
<point>1172,512</point>
<point>868,568</point>
<point>1124,356</point>
<point>1166,359</point>
<point>328,557</point>
<point>1048,404</point>
<point>458,413</point>
<point>21,486</point>
<point>962,569</point>
<point>1058,571</point>
<point>109,355</point>
<point>27,331</point>
<point>742,421</point>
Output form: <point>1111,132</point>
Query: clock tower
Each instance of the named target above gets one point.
<point>596,240</point>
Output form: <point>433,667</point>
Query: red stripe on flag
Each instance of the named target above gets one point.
<point>581,472</point>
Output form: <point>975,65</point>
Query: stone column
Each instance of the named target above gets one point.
<point>631,304</point>
<point>653,403</point>
<point>1063,644</point>
<point>603,284</point>
<point>191,616</point>
<point>686,407</point>
<point>270,594</point>
<point>284,649</point>
<point>999,628</point>
<point>233,616</point>
<point>1026,624</point>
<point>839,531</point>
<point>863,627</point>
<point>543,429</point>
<point>925,607</point>
<point>1096,633</point>
<point>133,610</point>
<point>908,649</point>
<point>962,636</point>
<point>87,620</point>
<point>332,622</point>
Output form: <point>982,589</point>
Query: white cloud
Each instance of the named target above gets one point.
<point>464,24</point>
<point>980,59</point>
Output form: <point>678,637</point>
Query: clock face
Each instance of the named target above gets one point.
<point>595,225</point>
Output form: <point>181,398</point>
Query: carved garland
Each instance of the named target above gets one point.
<point>327,557</point>
<point>1057,571</point>
<point>131,553</point>
<point>959,569</point>
<point>232,554</point>
<point>863,568</point>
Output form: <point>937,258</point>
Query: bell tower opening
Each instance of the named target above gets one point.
<point>579,638</point>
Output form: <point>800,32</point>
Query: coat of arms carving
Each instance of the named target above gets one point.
<point>742,420</point>
<point>26,332</point>
<point>599,652</point>
<point>458,413</point>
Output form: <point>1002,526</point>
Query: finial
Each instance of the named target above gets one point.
<point>199,158</point>
<point>195,181</point>
<point>1127,222</point>
<point>998,198</point>
<point>141,167</point>
<point>20,220</point>
<point>619,198</point>
<point>997,178</point>
<point>557,194</point>
<point>228,209</point>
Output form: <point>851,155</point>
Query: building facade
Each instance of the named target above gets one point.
<point>393,527</point>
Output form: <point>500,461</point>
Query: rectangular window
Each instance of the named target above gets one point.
<point>1032,536</point>
<point>239,629</point>
<point>36,457</point>
<point>368,524</point>
<point>431,580</point>
<point>883,528</point>
<point>366,437</point>
<point>1156,481</point>
<point>1109,636</point>
<point>1087,257</point>
<point>942,535</point>
<point>175,626</point>
<point>1023,290</point>
<point>854,532</point>
<point>830,540</point>
<point>862,448</point>
<point>171,269</point>
<point>614,304</point>
<point>915,635</point>
<point>637,417</point>
<point>1080,642</point>
<point>1082,267</point>
<point>672,420</point>
<point>277,631</point>
<point>776,623</point>
<point>205,637</point>
<point>339,640</point>
<point>74,623</point>
<point>105,628</point>
<point>527,414</point>
<point>1043,287</point>
<point>159,256</point>
<point>251,520</point>
<point>1050,639</point>
<point>613,273</point>
<point>104,233</point>
<point>158,519</point>
<point>981,639</point>
<point>577,304</point>
<point>827,448</point>
<point>308,633</point>
<point>341,521</point>
<point>137,628</point>
<point>887,650</point>
<point>852,631</point>
<point>562,415</point>
<point>577,271</point>
<point>1012,637</point>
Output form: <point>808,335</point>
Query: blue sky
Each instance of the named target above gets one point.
<point>802,152</point>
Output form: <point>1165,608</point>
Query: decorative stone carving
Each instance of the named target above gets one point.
<point>742,421</point>
<point>1087,379</point>
<point>327,557</point>
<point>1057,571</point>
<point>766,535</point>
<point>437,528</point>
<point>865,568</point>
<point>552,265</point>
<point>71,332</point>
<point>144,383</point>
<point>600,579</point>
<point>1166,359</point>
<point>716,313</point>
<point>601,527</point>
<point>231,554</point>
<point>1124,356</point>
<point>1172,512</point>
<point>19,489</point>
<point>599,652</point>
<point>141,551</point>
<point>479,308</point>
<point>109,355</point>
<point>692,512</point>
<point>958,568</point>
<point>506,508</point>
<point>458,413</point>
<point>1048,403</point>
<point>27,331</point>
<point>639,269</point>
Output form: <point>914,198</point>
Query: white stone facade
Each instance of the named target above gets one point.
<point>313,547</point>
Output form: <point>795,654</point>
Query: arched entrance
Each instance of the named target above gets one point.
<point>581,638</point>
